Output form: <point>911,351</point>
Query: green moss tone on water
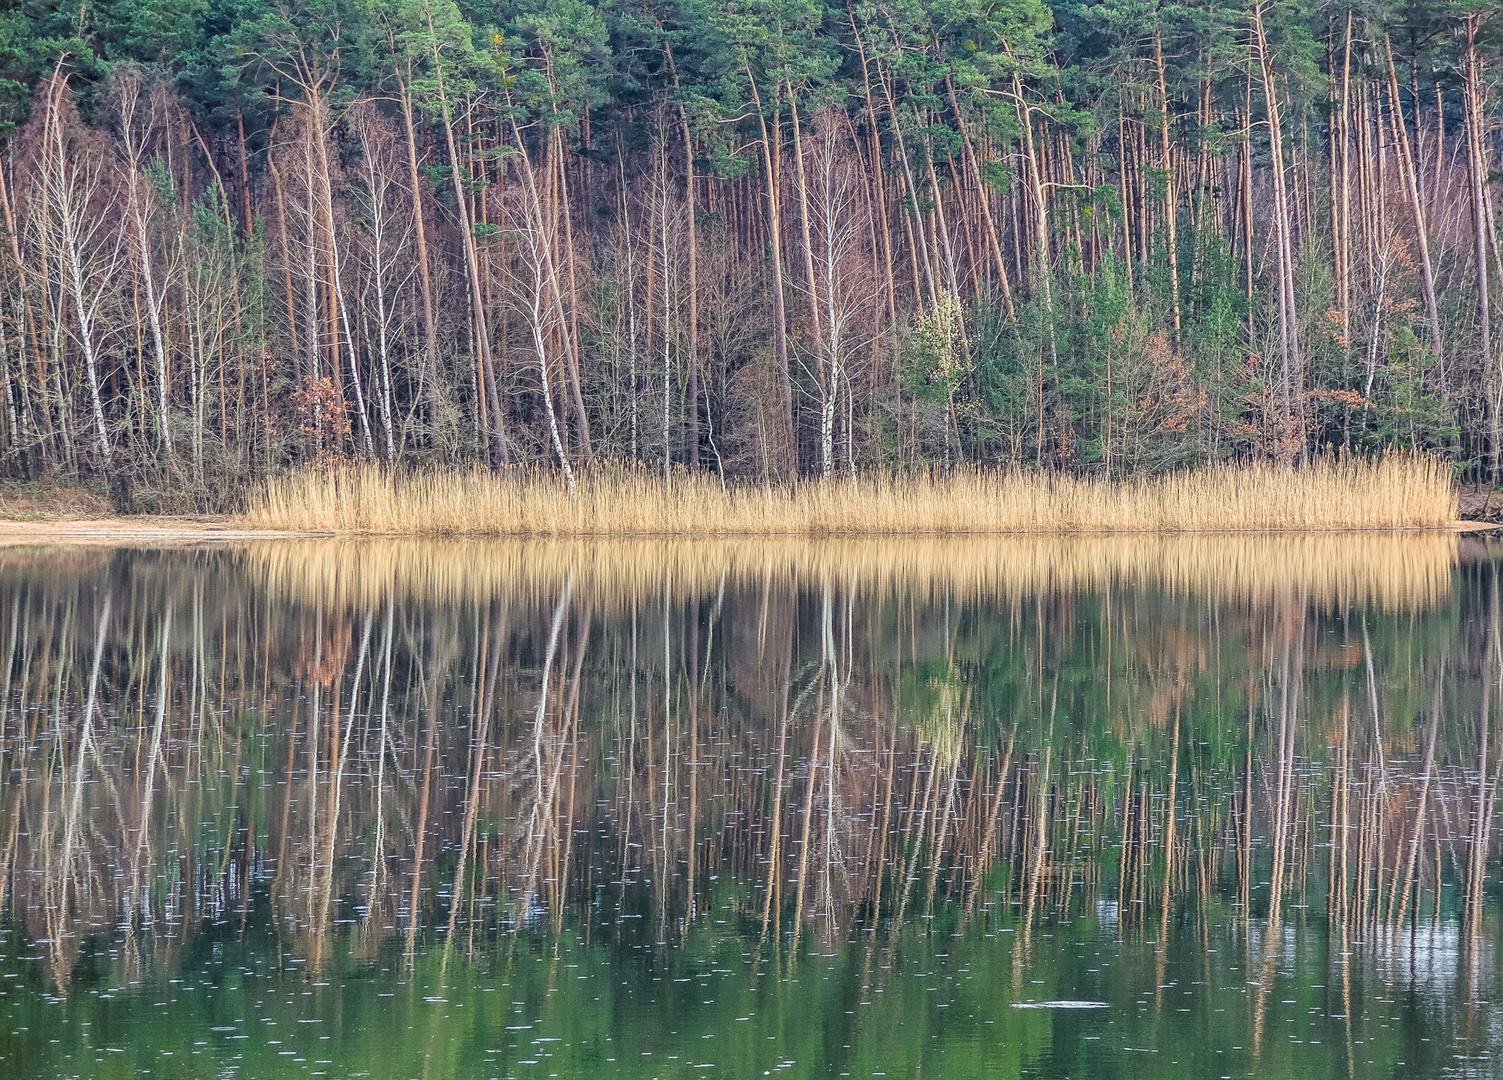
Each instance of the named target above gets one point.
<point>922,1002</point>
<point>686,819</point>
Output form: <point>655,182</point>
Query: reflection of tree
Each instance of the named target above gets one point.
<point>182,742</point>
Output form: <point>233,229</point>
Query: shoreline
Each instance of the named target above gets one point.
<point>123,530</point>
<point>1386,494</point>
<point>180,530</point>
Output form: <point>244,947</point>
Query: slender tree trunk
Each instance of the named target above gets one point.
<point>983,199</point>
<point>874,174</point>
<point>245,199</point>
<point>1290,388</point>
<point>918,244</point>
<point>571,327</point>
<point>801,175</point>
<point>336,273</point>
<point>780,314</point>
<point>1410,176</point>
<point>139,207</point>
<point>663,250</point>
<point>1477,169</point>
<point>496,430</point>
<point>70,186</point>
<point>1171,200</point>
<point>692,344</point>
<point>629,253</point>
<point>425,275</point>
<point>282,237</point>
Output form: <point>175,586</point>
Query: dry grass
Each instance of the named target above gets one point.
<point>1394,492</point>
<point>1394,570</point>
<point>50,502</point>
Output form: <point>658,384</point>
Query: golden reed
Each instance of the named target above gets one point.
<point>1391,492</point>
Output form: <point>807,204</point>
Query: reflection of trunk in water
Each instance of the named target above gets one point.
<point>378,845</point>
<point>490,662</point>
<point>1338,897</point>
<point>66,876</point>
<point>544,791</point>
<point>660,849</point>
<point>772,825</point>
<point>808,806</point>
<point>430,707</point>
<point>1417,832</point>
<point>571,721</point>
<point>1284,679</point>
<point>315,755</point>
<point>1035,854</point>
<point>1161,947</point>
<point>325,889</point>
<point>136,902</point>
<point>924,765</point>
<point>983,855</point>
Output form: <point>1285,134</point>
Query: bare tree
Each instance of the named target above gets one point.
<point>385,245</point>
<point>843,275</point>
<point>140,208</point>
<point>86,257</point>
<point>533,282</point>
<point>668,228</point>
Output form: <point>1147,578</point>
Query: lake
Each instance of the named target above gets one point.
<point>1089,808</point>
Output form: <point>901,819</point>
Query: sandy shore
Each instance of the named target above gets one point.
<point>128,530</point>
<point>186,530</point>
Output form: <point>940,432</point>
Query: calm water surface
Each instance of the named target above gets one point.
<point>1088,808</point>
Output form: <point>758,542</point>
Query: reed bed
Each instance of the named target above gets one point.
<point>1391,492</point>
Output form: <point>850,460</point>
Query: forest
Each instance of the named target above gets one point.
<point>760,238</point>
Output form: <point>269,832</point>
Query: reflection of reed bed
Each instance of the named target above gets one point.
<point>1387,493</point>
<point>1395,570</point>
<point>57,562</point>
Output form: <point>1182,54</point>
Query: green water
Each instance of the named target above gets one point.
<point>697,814</point>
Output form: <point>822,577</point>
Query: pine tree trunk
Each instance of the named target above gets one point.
<point>425,275</point>
<point>1410,174</point>
<point>1171,200</point>
<point>1477,168</point>
<point>1291,390</point>
<point>486,375</point>
<point>780,314</point>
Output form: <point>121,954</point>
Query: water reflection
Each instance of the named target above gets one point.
<point>1150,773</point>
